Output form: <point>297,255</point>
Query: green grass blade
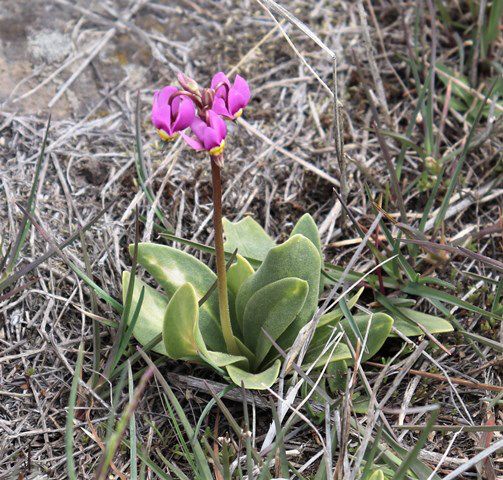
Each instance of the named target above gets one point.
<point>115,438</point>
<point>70,463</point>
<point>133,466</point>
<point>198,451</point>
<point>94,309</point>
<point>173,467</point>
<point>413,454</point>
<point>461,161</point>
<point>369,460</point>
<point>25,224</point>
<point>11,279</point>
<point>349,317</point>
<point>428,292</point>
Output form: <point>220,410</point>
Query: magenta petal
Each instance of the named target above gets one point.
<point>220,107</point>
<point>218,125</point>
<point>166,93</point>
<point>186,114</point>
<point>175,104</point>
<point>198,127</point>
<point>211,138</point>
<point>161,117</point>
<point>220,77</point>
<point>236,101</point>
<point>192,142</point>
<point>242,87</point>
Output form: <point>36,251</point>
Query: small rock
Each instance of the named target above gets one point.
<point>49,46</point>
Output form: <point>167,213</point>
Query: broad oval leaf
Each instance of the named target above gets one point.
<point>245,351</point>
<point>380,328</point>
<point>151,316</point>
<point>238,272</point>
<point>318,352</point>
<point>377,474</point>
<point>298,258</point>
<point>181,324</point>
<point>254,381</point>
<point>248,237</point>
<point>431,323</point>
<point>272,308</point>
<point>172,268</point>
<point>221,359</point>
<point>307,226</point>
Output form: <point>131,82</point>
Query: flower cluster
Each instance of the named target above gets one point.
<point>175,109</point>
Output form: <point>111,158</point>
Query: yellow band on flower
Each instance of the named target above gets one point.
<point>165,136</point>
<point>238,113</point>
<point>218,150</point>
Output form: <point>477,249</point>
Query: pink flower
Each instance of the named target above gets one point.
<point>210,134</point>
<point>230,99</point>
<point>171,112</point>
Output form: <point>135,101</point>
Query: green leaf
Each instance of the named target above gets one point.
<point>380,329</point>
<point>181,324</point>
<point>336,376</point>
<point>488,342</point>
<point>172,268</point>
<point>306,226</point>
<point>431,323</point>
<point>341,351</point>
<point>377,475</point>
<point>428,292</point>
<point>361,404</point>
<point>335,315</point>
<point>221,359</point>
<point>405,141</point>
<point>238,273</point>
<point>255,381</point>
<point>245,351</point>
<point>445,73</point>
<point>272,308</point>
<point>151,316</point>
<point>298,258</point>
<point>248,237</point>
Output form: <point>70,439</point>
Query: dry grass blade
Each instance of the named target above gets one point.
<point>441,378</point>
<point>51,251</point>
<point>495,447</point>
<point>435,247</point>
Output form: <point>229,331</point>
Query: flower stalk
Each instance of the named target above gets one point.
<point>223,299</point>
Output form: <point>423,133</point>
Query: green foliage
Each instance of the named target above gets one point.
<point>150,318</point>
<point>463,99</point>
<point>273,292</point>
<point>181,325</point>
<point>248,237</point>
<point>297,258</point>
<point>172,268</point>
<point>377,475</point>
<point>273,308</point>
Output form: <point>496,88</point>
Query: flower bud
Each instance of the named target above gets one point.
<point>207,97</point>
<point>188,83</point>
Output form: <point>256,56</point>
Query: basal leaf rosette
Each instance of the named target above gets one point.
<point>271,288</point>
<point>278,297</point>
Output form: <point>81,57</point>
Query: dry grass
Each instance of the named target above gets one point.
<point>122,48</point>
